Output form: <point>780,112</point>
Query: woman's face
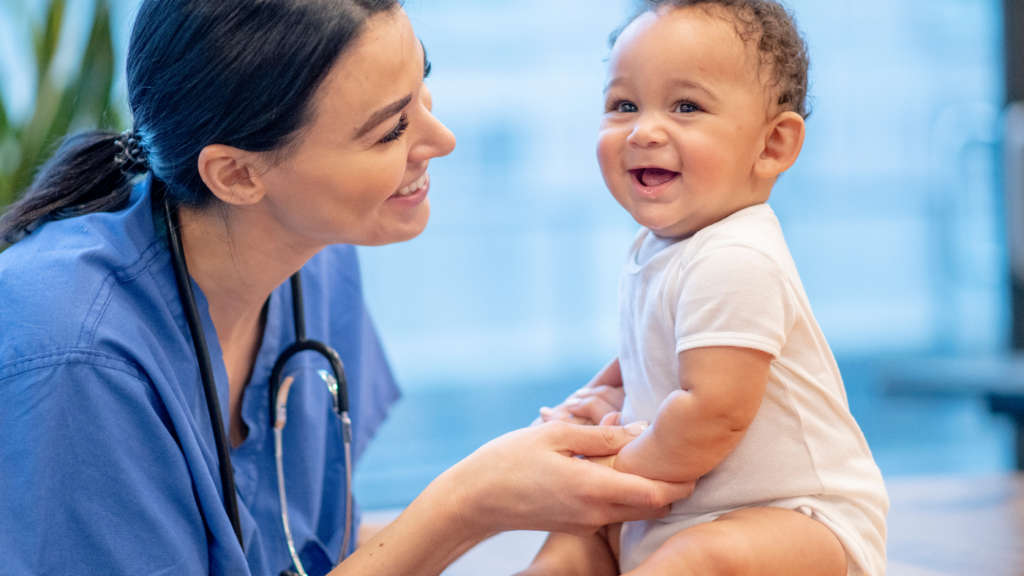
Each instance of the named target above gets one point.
<point>358,171</point>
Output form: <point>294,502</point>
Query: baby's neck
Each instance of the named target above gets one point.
<point>652,245</point>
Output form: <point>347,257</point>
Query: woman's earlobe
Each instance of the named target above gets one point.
<point>782,145</point>
<point>230,174</point>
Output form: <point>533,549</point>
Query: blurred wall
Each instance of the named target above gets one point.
<point>892,212</point>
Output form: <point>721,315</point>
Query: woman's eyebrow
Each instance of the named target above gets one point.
<point>383,114</point>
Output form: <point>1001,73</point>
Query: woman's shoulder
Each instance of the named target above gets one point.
<point>58,283</point>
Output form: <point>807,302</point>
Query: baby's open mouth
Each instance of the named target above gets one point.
<point>653,176</point>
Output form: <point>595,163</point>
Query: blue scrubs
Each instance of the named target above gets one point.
<point>107,457</point>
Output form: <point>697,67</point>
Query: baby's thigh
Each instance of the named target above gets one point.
<point>750,541</point>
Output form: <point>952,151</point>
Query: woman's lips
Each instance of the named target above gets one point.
<point>651,181</point>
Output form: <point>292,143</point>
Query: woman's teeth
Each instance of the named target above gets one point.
<point>414,186</point>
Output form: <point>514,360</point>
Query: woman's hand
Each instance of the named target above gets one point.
<point>591,403</point>
<point>530,479</point>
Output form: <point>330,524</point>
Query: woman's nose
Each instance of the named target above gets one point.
<point>437,140</point>
<point>648,130</point>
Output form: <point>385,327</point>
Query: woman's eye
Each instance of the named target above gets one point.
<point>396,133</point>
<point>686,108</point>
<point>625,107</point>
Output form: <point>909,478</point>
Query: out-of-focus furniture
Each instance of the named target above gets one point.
<point>956,526</point>
<point>998,379</point>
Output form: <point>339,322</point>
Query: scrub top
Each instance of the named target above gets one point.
<point>107,455</point>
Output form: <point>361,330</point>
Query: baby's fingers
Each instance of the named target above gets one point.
<point>593,408</point>
<point>561,412</point>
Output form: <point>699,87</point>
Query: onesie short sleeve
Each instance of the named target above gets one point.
<point>734,295</point>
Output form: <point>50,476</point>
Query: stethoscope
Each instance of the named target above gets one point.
<point>279,389</point>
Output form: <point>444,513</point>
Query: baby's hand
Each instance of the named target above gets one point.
<point>602,396</point>
<point>561,412</point>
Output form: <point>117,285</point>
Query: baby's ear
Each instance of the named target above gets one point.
<point>784,137</point>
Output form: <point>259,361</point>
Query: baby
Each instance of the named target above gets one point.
<point>719,350</point>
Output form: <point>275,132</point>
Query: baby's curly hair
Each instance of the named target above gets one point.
<point>778,41</point>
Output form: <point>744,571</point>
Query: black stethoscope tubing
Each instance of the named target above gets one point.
<point>339,391</point>
<point>188,299</point>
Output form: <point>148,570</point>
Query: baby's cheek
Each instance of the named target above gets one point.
<point>609,151</point>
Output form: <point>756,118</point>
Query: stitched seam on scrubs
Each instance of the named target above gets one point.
<point>106,294</point>
<point>18,367</point>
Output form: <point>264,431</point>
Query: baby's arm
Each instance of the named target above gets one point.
<point>697,426</point>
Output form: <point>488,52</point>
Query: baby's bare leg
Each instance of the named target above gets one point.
<point>750,542</point>
<point>569,555</point>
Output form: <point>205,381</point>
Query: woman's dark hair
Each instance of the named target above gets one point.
<point>241,73</point>
<point>770,27</point>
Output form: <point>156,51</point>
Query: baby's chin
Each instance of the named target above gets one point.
<point>665,227</point>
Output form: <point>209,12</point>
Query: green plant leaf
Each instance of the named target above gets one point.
<point>48,38</point>
<point>5,128</point>
<point>83,102</point>
<point>96,79</point>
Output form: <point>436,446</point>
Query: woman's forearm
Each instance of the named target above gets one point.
<point>427,537</point>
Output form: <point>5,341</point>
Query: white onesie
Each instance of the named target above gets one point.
<point>734,283</point>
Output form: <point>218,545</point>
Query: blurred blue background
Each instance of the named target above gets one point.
<point>508,301</point>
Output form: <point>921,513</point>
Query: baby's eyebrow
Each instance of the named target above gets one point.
<point>695,86</point>
<point>612,83</point>
<point>678,83</point>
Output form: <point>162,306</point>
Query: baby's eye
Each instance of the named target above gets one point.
<point>686,108</point>
<point>624,107</point>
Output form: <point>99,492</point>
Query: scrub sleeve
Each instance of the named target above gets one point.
<point>107,457</point>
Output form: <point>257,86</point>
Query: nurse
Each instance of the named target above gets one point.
<point>279,132</point>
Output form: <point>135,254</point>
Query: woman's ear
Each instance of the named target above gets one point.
<point>783,141</point>
<point>231,174</point>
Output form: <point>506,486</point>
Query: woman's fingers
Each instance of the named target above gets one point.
<point>611,419</point>
<point>596,440</point>
<point>531,479</point>
<point>636,492</point>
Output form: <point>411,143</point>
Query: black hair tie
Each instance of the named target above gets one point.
<point>131,156</point>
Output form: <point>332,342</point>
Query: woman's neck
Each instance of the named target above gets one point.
<point>237,258</point>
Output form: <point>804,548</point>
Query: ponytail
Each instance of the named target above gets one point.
<point>90,172</point>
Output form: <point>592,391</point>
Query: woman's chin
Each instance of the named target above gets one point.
<point>401,231</point>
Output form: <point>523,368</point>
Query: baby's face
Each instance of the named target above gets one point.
<point>686,117</point>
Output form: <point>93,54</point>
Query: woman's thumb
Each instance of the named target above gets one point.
<point>601,440</point>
